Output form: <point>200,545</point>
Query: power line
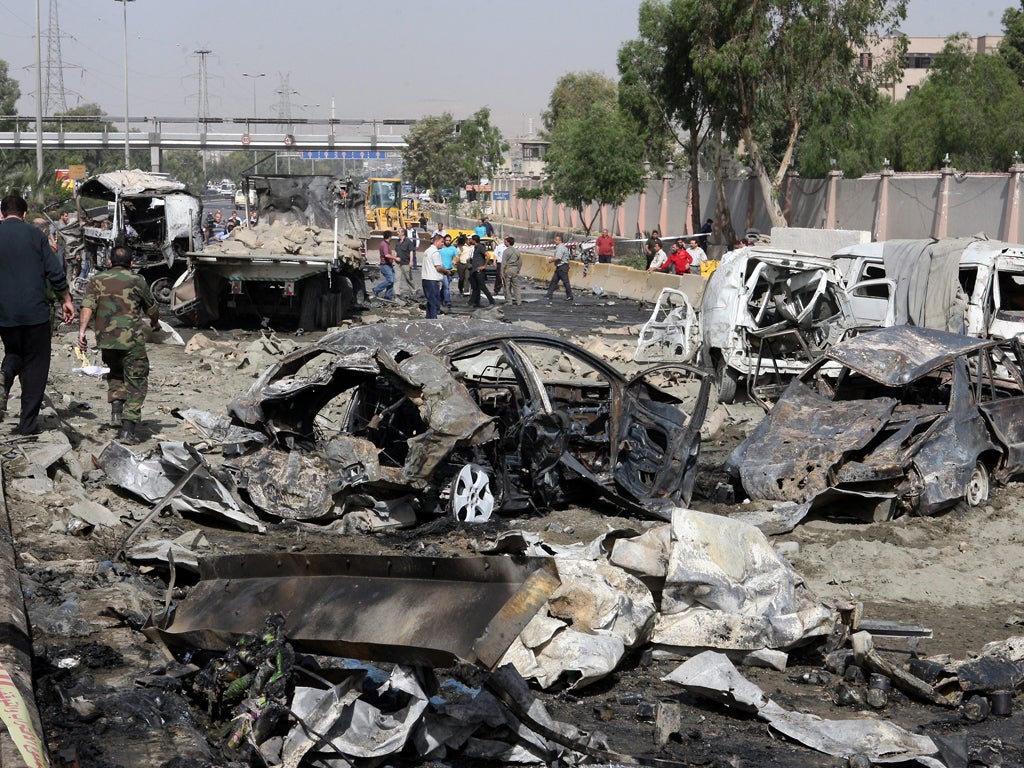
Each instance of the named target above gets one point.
<point>55,97</point>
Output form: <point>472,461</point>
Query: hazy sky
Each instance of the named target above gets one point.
<point>372,60</point>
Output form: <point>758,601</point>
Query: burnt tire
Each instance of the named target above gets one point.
<point>163,290</point>
<point>976,491</point>
<point>728,384</point>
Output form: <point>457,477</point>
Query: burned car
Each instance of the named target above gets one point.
<point>902,419</point>
<point>470,416</point>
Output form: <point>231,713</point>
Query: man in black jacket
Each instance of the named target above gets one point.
<point>477,279</point>
<point>28,267</point>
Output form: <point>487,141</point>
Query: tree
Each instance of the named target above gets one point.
<point>480,145</point>
<point>1011,47</point>
<point>577,94</point>
<point>764,66</point>
<point>9,95</point>
<point>431,157</point>
<point>594,160</point>
<point>968,108</point>
<point>661,90</point>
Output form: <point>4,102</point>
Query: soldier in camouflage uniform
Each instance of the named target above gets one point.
<point>118,298</point>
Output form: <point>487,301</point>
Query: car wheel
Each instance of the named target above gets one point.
<point>471,497</point>
<point>976,492</point>
<point>728,383</point>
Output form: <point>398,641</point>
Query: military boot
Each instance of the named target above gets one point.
<point>116,412</point>
<point>127,434</point>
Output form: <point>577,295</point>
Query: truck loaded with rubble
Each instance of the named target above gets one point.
<point>301,264</point>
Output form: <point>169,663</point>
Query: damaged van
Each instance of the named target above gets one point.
<point>152,214</point>
<point>966,285</point>
<point>469,417</point>
<point>766,314</point>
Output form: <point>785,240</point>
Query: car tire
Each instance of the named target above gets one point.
<point>728,383</point>
<point>976,492</point>
<point>162,290</point>
<point>471,498</point>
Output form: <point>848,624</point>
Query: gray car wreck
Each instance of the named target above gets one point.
<point>468,415</point>
<point>913,420</point>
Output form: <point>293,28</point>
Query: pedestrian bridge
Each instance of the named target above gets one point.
<point>217,134</point>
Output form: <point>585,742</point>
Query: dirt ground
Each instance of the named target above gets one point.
<point>960,574</point>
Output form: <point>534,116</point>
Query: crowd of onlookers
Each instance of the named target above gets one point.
<point>216,227</point>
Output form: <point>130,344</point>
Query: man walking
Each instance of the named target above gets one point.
<point>477,278</point>
<point>387,268</point>
<point>118,299</point>
<point>511,264</point>
<point>431,274</point>
<point>561,262</point>
<point>404,254</point>
<point>28,268</point>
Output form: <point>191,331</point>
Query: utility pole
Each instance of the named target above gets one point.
<point>39,110</point>
<point>204,103</point>
<point>127,156</point>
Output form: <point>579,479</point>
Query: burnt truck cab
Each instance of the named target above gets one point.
<point>151,213</point>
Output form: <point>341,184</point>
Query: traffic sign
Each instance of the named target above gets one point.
<point>345,154</point>
<point>500,194</point>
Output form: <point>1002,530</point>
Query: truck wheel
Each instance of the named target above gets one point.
<point>162,290</point>
<point>309,302</point>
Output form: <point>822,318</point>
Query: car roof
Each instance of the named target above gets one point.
<point>900,354</point>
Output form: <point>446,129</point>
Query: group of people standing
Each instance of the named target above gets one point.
<point>32,278</point>
<point>681,258</point>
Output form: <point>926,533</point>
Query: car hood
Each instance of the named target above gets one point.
<point>791,453</point>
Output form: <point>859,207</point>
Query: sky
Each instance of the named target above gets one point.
<point>366,60</point>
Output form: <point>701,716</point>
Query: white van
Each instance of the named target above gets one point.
<point>965,285</point>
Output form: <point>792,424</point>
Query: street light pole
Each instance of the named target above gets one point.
<point>124,8</point>
<point>254,77</point>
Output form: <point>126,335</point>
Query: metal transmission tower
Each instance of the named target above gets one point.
<point>54,95</point>
<point>284,104</point>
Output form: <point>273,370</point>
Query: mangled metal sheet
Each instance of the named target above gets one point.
<point>712,675</point>
<point>108,186</point>
<point>793,451</point>
<point>671,333</point>
<point>400,609</point>
<point>727,587</point>
<point>151,479</point>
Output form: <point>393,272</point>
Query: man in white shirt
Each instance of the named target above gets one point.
<point>698,253</point>
<point>499,282</point>
<point>431,274</point>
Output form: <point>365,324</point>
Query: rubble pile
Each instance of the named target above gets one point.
<point>295,239</point>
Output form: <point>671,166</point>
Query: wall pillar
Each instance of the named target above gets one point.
<point>641,213</point>
<point>1011,226</point>
<point>663,207</point>
<point>941,224</point>
<point>831,200</point>
<point>881,228</point>
<point>620,221</point>
<point>155,156</point>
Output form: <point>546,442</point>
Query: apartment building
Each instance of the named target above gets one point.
<point>921,53</point>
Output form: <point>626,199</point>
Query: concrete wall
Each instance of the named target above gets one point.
<point>889,205</point>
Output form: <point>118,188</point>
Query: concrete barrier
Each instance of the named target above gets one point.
<point>621,282</point>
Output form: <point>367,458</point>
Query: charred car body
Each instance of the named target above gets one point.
<point>465,414</point>
<point>913,420</point>
<point>154,215</point>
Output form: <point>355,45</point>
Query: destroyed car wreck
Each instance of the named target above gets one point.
<point>914,420</point>
<point>468,416</point>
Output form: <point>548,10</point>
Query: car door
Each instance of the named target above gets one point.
<point>871,296</point>
<point>658,436</point>
<point>999,389</point>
